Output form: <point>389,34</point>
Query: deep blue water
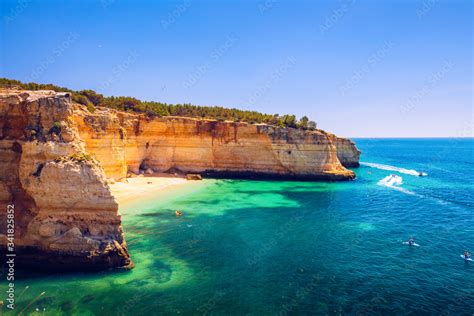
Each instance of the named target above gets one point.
<point>268,247</point>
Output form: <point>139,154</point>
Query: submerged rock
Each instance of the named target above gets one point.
<point>87,298</point>
<point>66,306</point>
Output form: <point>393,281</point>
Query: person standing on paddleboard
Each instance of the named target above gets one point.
<point>467,255</point>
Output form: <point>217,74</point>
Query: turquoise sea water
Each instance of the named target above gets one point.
<point>267,247</point>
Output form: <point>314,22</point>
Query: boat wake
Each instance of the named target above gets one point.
<point>394,182</point>
<point>410,172</point>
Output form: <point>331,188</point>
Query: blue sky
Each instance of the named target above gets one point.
<point>358,68</point>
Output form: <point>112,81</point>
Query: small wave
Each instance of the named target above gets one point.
<point>392,168</point>
<point>394,182</point>
<point>391,180</point>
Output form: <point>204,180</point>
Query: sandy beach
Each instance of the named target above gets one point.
<point>139,187</point>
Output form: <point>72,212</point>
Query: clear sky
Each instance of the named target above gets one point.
<point>358,68</point>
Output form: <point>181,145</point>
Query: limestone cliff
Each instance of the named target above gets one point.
<point>56,156</point>
<point>125,142</point>
<point>65,216</point>
<point>347,152</point>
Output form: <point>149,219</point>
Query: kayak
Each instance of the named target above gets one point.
<point>414,244</point>
<point>467,259</point>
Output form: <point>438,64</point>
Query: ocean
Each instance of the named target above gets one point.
<point>270,247</point>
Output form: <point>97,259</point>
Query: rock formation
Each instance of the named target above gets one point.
<point>125,142</point>
<point>65,216</point>
<point>56,156</point>
<point>347,152</point>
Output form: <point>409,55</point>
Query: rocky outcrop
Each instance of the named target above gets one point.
<point>193,176</point>
<point>56,156</point>
<point>129,142</point>
<point>347,152</point>
<point>65,216</point>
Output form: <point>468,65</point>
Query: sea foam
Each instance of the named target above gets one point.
<point>394,182</point>
<point>393,168</point>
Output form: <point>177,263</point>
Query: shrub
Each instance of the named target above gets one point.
<point>91,99</point>
<point>56,128</point>
<point>79,98</point>
<point>90,107</point>
<point>303,122</point>
<point>94,97</point>
<point>312,125</point>
<point>76,157</point>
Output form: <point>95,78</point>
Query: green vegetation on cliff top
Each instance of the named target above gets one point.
<point>77,157</point>
<point>92,99</point>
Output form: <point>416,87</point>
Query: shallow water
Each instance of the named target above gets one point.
<point>267,247</point>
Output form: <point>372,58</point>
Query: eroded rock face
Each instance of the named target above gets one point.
<point>347,152</point>
<point>124,142</point>
<point>65,215</point>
